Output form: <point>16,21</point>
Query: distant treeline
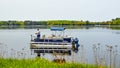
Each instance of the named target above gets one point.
<point>59,22</point>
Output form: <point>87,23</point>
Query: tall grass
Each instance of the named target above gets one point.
<point>39,63</point>
<point>106,57</point>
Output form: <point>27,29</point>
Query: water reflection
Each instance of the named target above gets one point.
<point>114,27</point>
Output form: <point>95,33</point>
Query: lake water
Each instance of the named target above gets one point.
<point>15,42</point>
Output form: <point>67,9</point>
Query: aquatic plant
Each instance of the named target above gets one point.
<point>102,56</point>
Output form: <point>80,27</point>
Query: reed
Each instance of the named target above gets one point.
<point>106,57</point>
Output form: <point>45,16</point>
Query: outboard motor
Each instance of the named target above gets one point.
<point>75,44</point>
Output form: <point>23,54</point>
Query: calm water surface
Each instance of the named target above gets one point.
<point>16,41</point>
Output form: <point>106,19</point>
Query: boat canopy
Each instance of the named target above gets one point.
<point>57,28</point>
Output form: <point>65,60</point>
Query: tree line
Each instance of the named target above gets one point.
<point>115,21</point>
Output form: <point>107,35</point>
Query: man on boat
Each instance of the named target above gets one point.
<point>38,33</point>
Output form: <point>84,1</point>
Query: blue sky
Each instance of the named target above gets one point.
<point>92,10</point>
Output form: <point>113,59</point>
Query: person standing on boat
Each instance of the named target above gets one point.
<point>38,33</point>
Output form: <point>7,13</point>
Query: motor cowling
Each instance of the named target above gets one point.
<point>75,44</point>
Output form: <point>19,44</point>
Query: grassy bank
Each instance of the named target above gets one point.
<point>40,63</point>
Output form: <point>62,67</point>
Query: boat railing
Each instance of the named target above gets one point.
<point>50,41</point>
<point>32,38</point>
<point>49,37</point>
